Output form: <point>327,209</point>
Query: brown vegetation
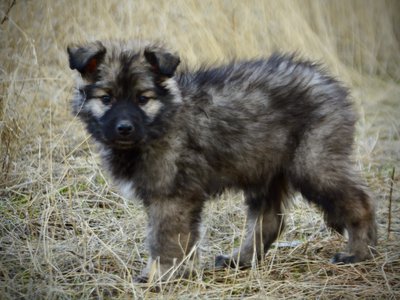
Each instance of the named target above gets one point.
<point>65,233</point>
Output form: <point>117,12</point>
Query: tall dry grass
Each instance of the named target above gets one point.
<point>65,233</point>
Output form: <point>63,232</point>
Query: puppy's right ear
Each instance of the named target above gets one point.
<point>86,59</point>
<point>163,63</point>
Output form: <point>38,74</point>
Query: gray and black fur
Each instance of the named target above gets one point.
<point>265,126</point>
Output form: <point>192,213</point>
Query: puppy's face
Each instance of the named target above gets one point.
<point>124,92</point>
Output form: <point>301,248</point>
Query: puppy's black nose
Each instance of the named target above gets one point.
<point>125,128</point>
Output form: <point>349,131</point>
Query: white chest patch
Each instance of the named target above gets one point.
<point>127,189</point>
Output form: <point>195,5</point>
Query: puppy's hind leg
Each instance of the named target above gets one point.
<point>323,171</point>
<point>346,205</point>
<point>359,219</point>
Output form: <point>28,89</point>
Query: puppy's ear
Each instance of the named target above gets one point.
<point>162,62</point>
<point>86,59</point>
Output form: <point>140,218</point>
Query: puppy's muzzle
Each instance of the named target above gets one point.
<point>125,129</point>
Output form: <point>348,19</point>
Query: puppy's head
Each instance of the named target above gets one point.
<point>126,91</point>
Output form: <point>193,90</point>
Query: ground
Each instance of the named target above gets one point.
<point>65,233</point>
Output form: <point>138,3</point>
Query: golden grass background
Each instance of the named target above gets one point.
<point>66,234</point>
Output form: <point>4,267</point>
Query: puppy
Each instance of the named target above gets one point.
<point>265,126</point>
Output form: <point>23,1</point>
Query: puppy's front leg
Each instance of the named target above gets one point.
<point>172,234</point>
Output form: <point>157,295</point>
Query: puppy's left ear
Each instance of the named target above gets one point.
<point>162,62</point>
<point>86,58</point>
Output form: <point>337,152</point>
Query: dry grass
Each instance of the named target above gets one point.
<point>65,233</point>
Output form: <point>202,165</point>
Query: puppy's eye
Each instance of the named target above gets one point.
<point>106,99</point>
<point>142,100</point>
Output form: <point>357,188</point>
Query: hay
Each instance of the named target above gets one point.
<point>65,233</point>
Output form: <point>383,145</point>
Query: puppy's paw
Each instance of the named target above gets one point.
<point>140,279</point>
<point>344,258</point>
<point>225,261</point>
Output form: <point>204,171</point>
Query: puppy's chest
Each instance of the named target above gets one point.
<point>152,175</point>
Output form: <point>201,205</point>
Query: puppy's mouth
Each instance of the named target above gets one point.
<point>123,144</point>
<point>119,143</point>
